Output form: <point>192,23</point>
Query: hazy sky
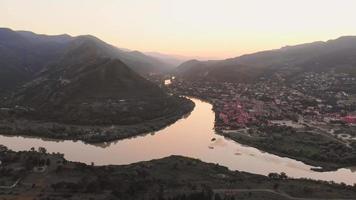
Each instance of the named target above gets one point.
<point>207,28</point>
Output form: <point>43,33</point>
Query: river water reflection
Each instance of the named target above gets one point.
<point>190,136</point>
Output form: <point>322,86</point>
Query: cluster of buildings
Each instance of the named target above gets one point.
<point>234,114</point>
<point>350,119</point>
<point>310,97</point>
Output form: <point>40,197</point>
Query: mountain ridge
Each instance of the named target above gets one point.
<point>84,92</point>
<point>338,54</point>
<point>23,54</point>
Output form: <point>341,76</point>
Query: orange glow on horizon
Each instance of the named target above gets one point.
<point>212,29</point>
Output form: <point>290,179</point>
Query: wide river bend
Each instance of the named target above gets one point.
<point>191,137</point>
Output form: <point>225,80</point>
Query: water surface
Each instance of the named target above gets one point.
<point>190,136</point>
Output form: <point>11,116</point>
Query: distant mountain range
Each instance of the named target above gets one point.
<point>23,54</point>
<point>174,60</point>
<point>337,55</point>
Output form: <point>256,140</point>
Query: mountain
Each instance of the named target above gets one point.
<point>42,38</point>
<point>81,90</point>
<point>173,60</point>
<point>86,86</point>
<point>338,55</point>
<point>136,60</point>
<point>145,64</point>
<point>23,54</point>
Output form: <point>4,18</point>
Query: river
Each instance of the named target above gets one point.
<point>191,137</point>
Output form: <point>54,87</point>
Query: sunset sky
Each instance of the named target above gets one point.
<point>204,28</point>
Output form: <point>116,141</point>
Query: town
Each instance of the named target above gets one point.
<point>292,113</point>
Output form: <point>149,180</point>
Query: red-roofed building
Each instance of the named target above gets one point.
<point>350,119</point>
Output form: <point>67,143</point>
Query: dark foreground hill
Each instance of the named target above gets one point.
<point>337,55</point>
<point>171,178</point>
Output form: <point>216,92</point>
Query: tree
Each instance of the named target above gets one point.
<point>48,162</point>
<point>217,197</point>
<point>3,148</point>
<point>283,176</point>
<point>175,166</point>
<point>307,190</point>
<point>273,175</point>
<point>275,186</point>
<point>93,187</point>
<point>42,150</point>
<point>208,191</point>
<point>59,169</point>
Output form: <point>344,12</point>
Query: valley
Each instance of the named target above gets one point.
<point>83,119</point>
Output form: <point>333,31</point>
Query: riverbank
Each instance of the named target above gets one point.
<point>88,133</point>
<point>173,177</point>
<point>322,151</point>
<point>190,137</point>
<point>302,140</point>
<point>325,153</point>
<point>246,140</point>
